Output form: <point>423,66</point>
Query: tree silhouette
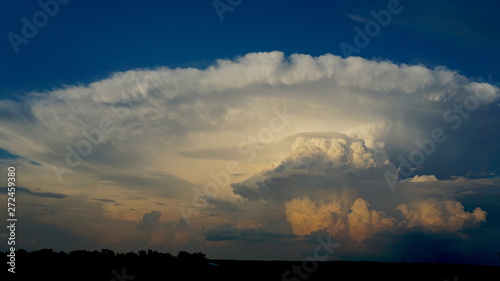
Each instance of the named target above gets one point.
<point>149,264</point>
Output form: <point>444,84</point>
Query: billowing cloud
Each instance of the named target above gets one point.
<point>135,113</point>
<point>321,182</point>
<point>150,221</point>
<point>312,138</point>
<point>364,222</point>
<point>341,218</point>
<point>316,164</point>
<point>436,215</point>
<point>335,152</point>
<point>306,216</point>
<point>161,234</point>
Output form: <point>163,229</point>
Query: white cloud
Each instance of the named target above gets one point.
<point>168,109</point>
<point>171,127</point>
<point>316,164</point>
<point>337,152</point>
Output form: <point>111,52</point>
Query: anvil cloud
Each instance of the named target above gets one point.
<point>144,139</point>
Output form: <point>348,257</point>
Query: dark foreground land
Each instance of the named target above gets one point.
<point>151,265</point>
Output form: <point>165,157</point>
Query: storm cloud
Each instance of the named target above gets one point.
<point>148,134</point>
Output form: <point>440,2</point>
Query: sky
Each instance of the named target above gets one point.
<point>254,129</point>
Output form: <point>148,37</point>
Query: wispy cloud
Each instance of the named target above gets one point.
<point>36,193</point>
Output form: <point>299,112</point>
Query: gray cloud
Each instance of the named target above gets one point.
<point>225,153</point>
<point>227,232</point>
<point>225,204</point>
<point>35,193</point>
<point>150,221</point>
<point>158,184</point>
<point>107,201</point>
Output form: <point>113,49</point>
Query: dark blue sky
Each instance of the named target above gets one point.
<point>87,40</point>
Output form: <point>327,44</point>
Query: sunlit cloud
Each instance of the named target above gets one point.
<point>307,140</point>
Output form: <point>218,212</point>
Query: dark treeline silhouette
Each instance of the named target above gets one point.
<point>47,264</point>
<point>107,265</point>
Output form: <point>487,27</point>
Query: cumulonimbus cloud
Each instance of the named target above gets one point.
<point>315,164</point>
<point>317,178</point>
<point>179,107</point>
<point>171,127</point>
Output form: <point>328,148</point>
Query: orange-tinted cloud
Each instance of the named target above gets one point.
<point>435,215</point>
<point>342,218</point>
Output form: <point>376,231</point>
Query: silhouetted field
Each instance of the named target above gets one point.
<point>152,265</point>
